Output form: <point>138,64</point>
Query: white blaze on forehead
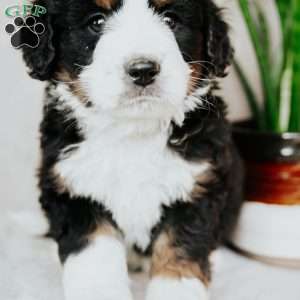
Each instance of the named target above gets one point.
<point>138,32</point>
<point>142,26</point>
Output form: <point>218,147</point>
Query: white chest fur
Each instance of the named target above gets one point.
<point>132,176</point>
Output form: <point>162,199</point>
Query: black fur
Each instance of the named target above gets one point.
<point>198,227</point>
<point>66,42</point>
<point>40,60</point>
<point>71,220</point>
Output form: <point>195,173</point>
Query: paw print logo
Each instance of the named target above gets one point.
<point>25,32</point>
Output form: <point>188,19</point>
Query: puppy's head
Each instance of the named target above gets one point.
<point>132,56</point>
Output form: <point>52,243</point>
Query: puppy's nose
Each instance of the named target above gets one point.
<point>143,72</point>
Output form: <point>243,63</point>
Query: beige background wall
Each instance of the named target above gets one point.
<point>20,108</point>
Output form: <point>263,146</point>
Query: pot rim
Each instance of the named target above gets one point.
<point>240,127</point>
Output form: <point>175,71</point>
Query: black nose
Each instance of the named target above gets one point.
<point>143,72</point>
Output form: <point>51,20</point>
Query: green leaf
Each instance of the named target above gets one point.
<point>263,31</point>
<point>280,78</point>
<point>271,101</point>
<point>295,49</point>
<point>286,95</point>
<point>284,9</point>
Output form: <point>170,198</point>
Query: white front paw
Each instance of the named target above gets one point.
<point>114,293</point>
<point>99,272</point>
<point>176,289</point>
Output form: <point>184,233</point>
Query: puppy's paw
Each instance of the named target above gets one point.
<point>176,289</point>
<point>113,294</point>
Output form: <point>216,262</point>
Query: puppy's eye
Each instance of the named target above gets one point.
<point>95,24</point>
<point>171,19</point>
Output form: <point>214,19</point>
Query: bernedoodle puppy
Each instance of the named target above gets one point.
<point>137,156</point>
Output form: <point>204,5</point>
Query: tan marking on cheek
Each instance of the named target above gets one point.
<point>169,261</point>
<point>194,77</point>
<point>196,68</point>
<point>106,4</point>
<point>78,90</point>
<point>74,85</point>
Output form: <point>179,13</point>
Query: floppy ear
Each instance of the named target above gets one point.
<point>219,50</point>
<point>40,60</point>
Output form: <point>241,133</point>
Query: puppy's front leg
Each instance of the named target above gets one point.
<point>99,271</point>
<point>173,275</point>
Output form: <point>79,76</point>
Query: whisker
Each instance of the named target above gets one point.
<point>199,105</point>
<point>78,65</point>
<point>204,67</point>
<point>201,79</point>
<point>62,81</point>
<point>202,62</point>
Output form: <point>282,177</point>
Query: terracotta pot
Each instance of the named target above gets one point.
<point>272,165</point>
<point>269,225</point>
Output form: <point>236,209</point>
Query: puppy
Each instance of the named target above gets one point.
<point>136,150</point>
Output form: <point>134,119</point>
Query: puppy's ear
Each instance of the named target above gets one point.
<point>40,60</point>
<point>219,50</point>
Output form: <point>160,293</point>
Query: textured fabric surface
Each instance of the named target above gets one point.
<point>30,270</point>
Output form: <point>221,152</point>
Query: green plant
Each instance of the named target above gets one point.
<point>280,75</point>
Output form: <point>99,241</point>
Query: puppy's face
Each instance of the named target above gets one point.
<point>136,65</point>
<point>135,58</point>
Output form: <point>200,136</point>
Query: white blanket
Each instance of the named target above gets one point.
<point>30,269</point>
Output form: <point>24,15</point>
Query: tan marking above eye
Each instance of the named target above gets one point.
<point>106,4</point>
<point>162,3</point>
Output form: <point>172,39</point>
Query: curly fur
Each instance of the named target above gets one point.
<point>197,226</point>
